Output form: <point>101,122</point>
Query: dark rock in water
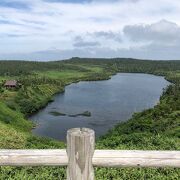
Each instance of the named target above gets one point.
<point>85,113</point>
<point>55,113</point>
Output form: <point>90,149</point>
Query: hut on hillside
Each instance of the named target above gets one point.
<point>11,84</point>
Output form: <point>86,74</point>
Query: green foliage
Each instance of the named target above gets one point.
<point>31,99</point>
<point>13,118</point>
<point>11,138</point>
<point>28,173</point>
<point>34,142</point>
<point>154,129</point>
<point>137,173</point>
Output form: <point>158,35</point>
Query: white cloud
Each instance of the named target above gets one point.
<point>119,28</point>
<point>159,32</point>
<point>81,43</point>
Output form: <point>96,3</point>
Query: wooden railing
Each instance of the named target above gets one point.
<point>80,156</point>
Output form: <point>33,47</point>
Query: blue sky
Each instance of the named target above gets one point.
<point>61,29</point>
<point>68,1</point>
<point>13,4</point>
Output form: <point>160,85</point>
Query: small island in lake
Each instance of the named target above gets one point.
<point>56,113</point>
<point>85,113</point>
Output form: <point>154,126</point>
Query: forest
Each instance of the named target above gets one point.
<point>157,128</point>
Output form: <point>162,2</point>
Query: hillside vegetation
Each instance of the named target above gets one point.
<point>153,129</point>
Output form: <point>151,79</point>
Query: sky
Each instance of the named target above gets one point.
<point>61,29</point>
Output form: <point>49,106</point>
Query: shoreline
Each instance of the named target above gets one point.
<point>158,101</point>
<point>108,78</point>
<point>62,91</point>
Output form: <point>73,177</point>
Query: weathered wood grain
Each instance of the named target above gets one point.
<point>129,158</point>
<point>33,157</point>
<point>101,158</point>
<point>80,150</point>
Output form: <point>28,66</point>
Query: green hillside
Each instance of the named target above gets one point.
<point>153,129</point>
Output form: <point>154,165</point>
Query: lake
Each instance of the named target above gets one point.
<point>108,102</point>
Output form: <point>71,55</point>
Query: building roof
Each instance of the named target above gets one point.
<point>11,83</point>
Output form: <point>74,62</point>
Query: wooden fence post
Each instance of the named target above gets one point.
<point>80,150</point>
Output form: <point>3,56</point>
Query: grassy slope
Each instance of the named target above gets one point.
<point>152,129</point>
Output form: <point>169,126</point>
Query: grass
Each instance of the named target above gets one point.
<point>34,98</point>
<point>14,119</point>
<point>153,129</point>
<point>61,74</point>
<point>10,138</point>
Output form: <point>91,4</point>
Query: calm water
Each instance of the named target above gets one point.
<point>109,102</point>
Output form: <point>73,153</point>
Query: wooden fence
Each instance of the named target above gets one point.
<point>80,156</point>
